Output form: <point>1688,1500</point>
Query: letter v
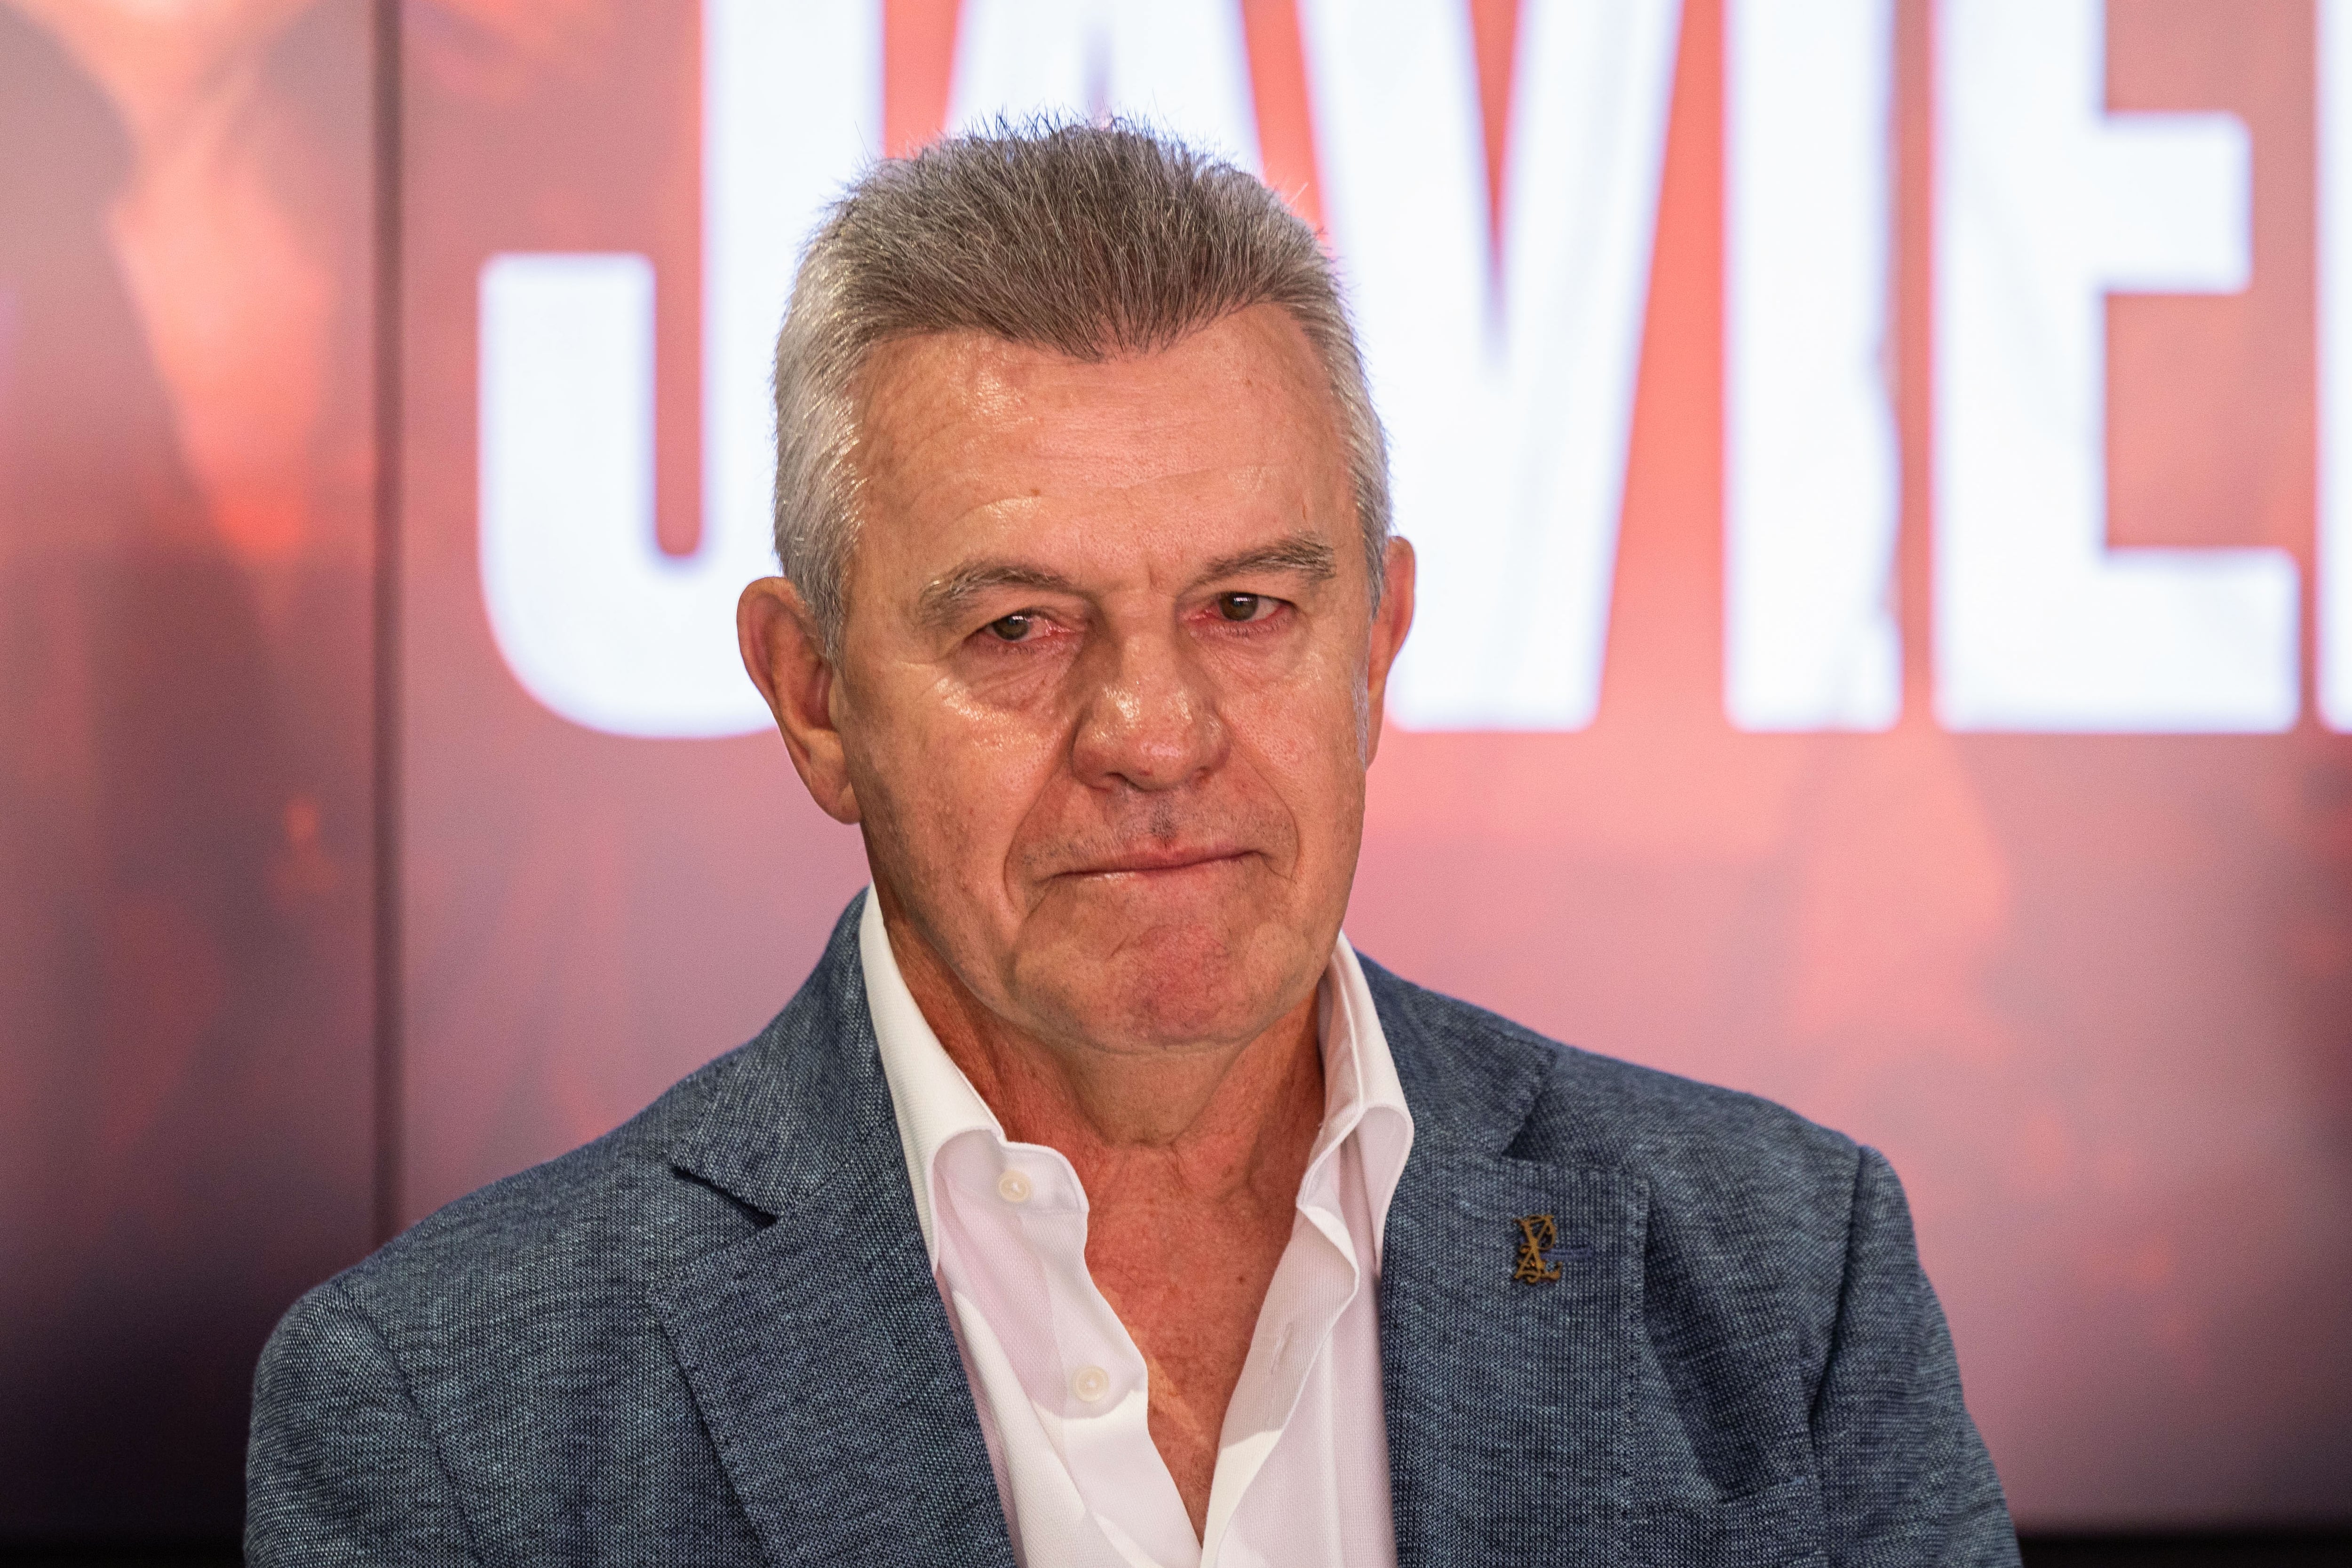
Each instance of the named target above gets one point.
<point>1508,419</point>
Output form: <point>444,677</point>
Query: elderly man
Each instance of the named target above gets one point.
<point>1093,1202</point>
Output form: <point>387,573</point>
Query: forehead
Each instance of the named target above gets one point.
<point>953,421</point>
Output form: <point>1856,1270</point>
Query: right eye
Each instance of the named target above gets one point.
<point>1014,627</point>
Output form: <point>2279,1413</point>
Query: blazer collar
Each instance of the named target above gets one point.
<point>821,1356</point>
<point>1506,1387</point>
<point>817,1347</point>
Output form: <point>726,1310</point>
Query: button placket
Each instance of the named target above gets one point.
<point>1092,1346</point>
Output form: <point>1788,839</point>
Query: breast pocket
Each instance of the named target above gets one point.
<point>1779,1527</point>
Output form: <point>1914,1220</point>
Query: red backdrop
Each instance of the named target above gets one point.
<point>2092,994</point>
<point>186,439</point>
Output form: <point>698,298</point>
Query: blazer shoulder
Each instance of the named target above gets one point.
<point>1782,1308</point>
<point>1555,1105</point>
<point>582,1237</point>
<point>466,1394</point>
<point>612,1209</point>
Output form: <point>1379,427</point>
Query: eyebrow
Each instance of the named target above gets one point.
<point>943,598</point>
<point>1302,555</point>
<point>942,601</point>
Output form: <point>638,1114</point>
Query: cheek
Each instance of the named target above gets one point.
<point>957,786</point>
<point>1306,747</point>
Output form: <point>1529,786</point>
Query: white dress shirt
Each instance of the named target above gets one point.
<point>1302,1474</point>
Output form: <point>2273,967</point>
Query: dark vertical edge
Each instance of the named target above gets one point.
<point>385,784</point>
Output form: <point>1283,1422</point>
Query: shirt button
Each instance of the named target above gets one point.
<point>1090,1384</point>
<point>1014,1187</point>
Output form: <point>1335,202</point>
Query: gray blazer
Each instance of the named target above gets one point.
<point>711,1336</point>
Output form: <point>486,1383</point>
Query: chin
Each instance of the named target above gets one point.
<point>1181,983</point>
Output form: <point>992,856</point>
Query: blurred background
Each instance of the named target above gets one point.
<point>1884,476</point>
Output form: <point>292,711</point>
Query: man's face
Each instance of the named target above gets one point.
<point>1111,677</point>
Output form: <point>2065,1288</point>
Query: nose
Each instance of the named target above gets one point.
<point>1149,719</point>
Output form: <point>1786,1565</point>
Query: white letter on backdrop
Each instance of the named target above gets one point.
<point>592,617</point>
<point>1508,420</point>
<point>1811,497</point>
<point>2046,204</point>
<point>1181,68</point>
<point>2334,588</point>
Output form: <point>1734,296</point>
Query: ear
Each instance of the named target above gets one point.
<point>1390,624</point>
<point>786,657</point>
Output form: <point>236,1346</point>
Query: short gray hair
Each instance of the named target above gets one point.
<point>1091,240</point>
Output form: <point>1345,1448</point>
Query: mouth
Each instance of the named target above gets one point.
<point>1160,860</point>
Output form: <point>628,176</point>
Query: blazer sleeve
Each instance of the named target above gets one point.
<point>1906,1479</point>
<point>341,1468</point>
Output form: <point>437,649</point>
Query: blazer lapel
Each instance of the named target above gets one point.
<point>1509,1306</point>
<point>817,1348</point>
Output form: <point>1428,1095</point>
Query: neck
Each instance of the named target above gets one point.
<point>1216,1117</point>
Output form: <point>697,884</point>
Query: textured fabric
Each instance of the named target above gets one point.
<point>1063,1393</point>
<point>713,1336</point>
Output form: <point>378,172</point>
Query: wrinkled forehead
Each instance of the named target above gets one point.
<point>965,411</point>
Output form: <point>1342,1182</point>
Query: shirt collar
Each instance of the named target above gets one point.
<point>935,1103</point>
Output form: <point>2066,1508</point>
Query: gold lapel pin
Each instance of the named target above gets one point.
<point>1537,1236</point>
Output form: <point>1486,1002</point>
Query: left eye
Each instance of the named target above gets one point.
<point>1244,606</point>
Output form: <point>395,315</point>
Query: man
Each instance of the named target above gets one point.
<point>1093,1202</point>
